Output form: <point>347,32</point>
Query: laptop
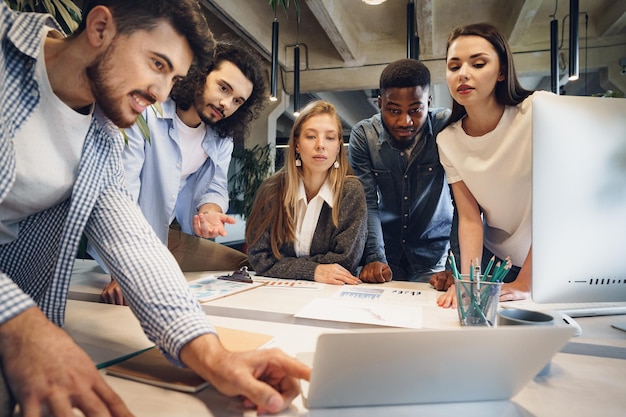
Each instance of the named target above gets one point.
<point>579,205</point>
<point>404,366</point>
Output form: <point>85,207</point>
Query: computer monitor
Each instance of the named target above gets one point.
<point>578,199</point>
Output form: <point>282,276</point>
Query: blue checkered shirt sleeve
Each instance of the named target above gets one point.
<point>35,269</point>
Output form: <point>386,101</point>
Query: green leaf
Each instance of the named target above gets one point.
<point>158,108</point>
<point>252,166</point>
<point>143,127</point>
<point>49,6</point>
<point>70,6</point>
<point>285,5</point>
<point>66,12</point>
<point>125,136</point>
<point>66,18</point>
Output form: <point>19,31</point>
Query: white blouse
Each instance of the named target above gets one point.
<point>307,216</point>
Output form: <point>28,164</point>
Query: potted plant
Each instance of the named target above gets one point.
<point>66,12</point>
<point>251,167</point>
<point>285,4</point>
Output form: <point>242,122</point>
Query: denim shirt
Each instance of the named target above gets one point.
<point>409,203</point>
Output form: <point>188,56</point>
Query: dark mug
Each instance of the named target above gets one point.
<point>519,317</point>
<point>515,316</point>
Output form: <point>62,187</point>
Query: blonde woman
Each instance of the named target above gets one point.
<point>309,220</point>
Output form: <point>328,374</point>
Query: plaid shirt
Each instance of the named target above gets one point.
<point>35,269</point>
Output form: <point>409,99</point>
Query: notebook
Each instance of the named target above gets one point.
<point>151,367</point>
<point>403,366</point>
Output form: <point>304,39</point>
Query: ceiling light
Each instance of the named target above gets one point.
<point>373,2</point>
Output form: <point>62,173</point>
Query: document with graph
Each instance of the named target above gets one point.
<point>394,307</point>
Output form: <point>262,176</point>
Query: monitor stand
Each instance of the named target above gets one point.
<point>621,325</point>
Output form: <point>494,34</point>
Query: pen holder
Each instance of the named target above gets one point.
<point>477,301</point>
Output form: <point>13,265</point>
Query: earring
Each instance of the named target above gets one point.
<point>336,164</point>
<point>298,160</point>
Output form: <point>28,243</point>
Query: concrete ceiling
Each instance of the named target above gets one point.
<point>345,44</point>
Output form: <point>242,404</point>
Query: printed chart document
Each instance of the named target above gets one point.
<point>300,284</point>
<point>151,367</point>
<point>394,307</point>
<point>209,287</point>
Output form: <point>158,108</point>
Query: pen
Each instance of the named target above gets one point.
<point>489,266</point>
<point>477,270</point>
<point>453,265</point>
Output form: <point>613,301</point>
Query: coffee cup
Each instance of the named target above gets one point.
<point>520,317</point>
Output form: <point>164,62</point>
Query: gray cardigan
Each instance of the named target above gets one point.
<point>342,245</point>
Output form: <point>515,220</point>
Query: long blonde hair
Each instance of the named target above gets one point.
<point>283,186</point>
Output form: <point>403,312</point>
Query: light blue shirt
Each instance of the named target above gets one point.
<point>154,170</point>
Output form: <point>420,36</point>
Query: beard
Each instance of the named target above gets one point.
<point>401,144</point>
<point>200,107</point>
<point>99,74</point>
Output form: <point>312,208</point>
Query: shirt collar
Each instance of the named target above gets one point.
<point>325,193</point>
<point>165,110</point>
<point>23,33</point>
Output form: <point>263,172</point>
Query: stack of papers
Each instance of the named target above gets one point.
<point>387,306</point>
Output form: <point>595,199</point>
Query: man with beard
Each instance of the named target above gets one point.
<point>178,173</point>
<point>395,155</point>
<point>61,103</point>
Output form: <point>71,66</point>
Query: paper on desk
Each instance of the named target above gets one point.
<point>368,306</point>
<point>289,283</point>
<point>390,295</point>
<point>210,288</point>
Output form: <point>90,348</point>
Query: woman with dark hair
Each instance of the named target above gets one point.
<point>309,220</point>
<point>486,152</point>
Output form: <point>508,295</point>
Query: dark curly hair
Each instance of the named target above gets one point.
<point>238,124</point>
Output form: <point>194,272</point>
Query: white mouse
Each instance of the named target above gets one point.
<point>565,319</point>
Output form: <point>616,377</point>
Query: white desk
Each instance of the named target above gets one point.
<point>579,385</point>
<point>265,303</point>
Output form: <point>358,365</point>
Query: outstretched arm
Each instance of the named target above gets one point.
<point>376,272</point>
<point>470,236</point>
<point>361,163</point>
<point>520,288</point>
<point>210,221</point>
<point>266,378</point>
